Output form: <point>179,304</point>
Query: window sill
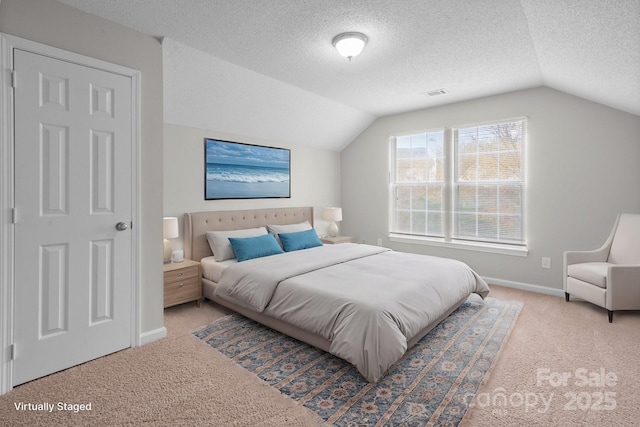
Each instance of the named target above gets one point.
<point>495,248</point>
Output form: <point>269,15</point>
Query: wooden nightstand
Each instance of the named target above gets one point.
<point>327,240</point>
<point>182,283</point>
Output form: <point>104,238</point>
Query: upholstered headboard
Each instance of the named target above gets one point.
<point>196,224</point>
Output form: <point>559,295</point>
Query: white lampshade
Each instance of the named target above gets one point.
<point>170,227</point>
<point>349,44</point>
<point>332,214</point>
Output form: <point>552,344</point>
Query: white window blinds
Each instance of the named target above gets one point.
<point>418,184</point>
<point>489,183</point>
<point>464,183</point>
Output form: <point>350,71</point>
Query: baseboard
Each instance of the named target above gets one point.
<point>151,336</point>
<point>525,286</point>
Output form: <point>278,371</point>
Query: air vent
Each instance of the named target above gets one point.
<point>435,92</point>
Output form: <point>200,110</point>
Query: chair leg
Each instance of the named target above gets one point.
<point>610,316</point>
<point>566,296</point>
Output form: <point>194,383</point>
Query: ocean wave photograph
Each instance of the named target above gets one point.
<point>240,171</point>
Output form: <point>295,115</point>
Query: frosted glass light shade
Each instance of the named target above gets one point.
<point>349,44</point>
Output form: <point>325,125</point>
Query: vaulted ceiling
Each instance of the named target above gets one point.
<point>588,48</point>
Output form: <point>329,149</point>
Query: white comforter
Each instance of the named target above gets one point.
<point>367,300</point>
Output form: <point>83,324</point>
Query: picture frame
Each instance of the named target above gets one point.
<point>236,170</point>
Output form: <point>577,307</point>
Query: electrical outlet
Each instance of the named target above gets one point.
<point>379,241</point>
<point>546,263</point>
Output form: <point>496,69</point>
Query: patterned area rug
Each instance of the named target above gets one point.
<point>433,384</point>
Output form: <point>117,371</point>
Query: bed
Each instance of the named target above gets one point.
<point>365,304</point>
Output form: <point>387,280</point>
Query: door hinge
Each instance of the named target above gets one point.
<point>14,215</point>
<point>13,351</point>
<point>13,79</point>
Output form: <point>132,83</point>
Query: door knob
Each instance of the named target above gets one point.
<point>121,226</point>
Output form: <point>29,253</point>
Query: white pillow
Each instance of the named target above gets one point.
<point>220,245</point>
<point>288,228</point>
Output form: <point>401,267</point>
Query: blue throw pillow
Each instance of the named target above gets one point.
<point>300,240</point>
<point>247,248</point>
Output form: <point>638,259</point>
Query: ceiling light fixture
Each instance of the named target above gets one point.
<point>350,44</point>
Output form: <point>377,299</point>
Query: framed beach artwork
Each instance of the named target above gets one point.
<point>235,170</point>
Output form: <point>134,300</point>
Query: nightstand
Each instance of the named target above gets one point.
<point>327,240</point>
<point>182,283</point>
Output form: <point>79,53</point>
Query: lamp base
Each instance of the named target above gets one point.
<point>333,229</point>
<point>167,251</point>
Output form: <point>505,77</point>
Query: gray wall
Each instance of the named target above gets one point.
<point>583,167</point>
<point>58,25</point>
<point>315,176</point>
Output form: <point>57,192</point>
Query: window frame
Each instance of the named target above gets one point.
<point>426,184</point>
<point>449,199</point>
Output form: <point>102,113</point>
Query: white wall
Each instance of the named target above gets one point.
<point>206,97</point>
<point>205,92</point>
<point>55,24</point>
<point>315,176</point>
<point>583,167</point>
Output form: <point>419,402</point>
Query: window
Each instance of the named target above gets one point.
<point>419,184</point>
<point>460,184</point>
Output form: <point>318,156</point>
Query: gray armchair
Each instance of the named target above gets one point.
<point>610,276</point>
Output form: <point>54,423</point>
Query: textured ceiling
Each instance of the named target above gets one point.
<point>589,48</point>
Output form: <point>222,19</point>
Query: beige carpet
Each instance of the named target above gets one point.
<point>552,338</point>
<point>182,381</point>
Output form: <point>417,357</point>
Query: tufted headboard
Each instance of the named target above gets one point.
<point>196,224</point>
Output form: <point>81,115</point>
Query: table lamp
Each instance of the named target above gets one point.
<point>332,215</point>
<point>169,231</point>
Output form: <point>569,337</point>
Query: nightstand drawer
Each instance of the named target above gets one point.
<point>181,274</point>
<point>182,291</point>
<point>182,283</point>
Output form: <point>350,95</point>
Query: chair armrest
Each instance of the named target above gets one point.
<point>576,257</point>
<point>623,287</point>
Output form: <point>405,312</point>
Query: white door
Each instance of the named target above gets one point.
<point>73,178</point>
